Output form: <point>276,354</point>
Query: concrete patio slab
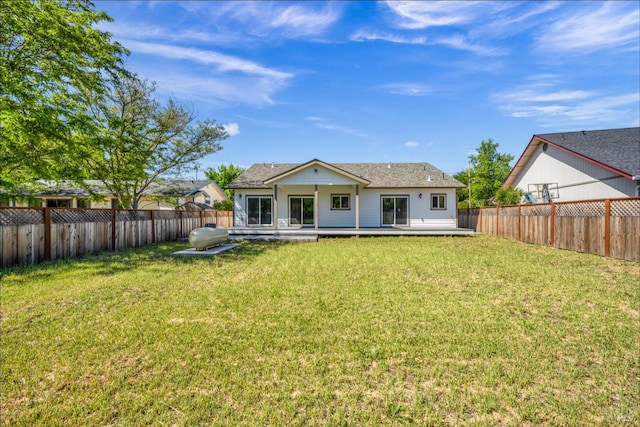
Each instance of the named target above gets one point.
<point>208,252</point>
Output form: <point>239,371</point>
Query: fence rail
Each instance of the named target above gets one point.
<point>33,235</point>
<point>608,227</point>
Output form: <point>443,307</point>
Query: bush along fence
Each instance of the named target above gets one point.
<point>608,227</point>
<point>33,235</point>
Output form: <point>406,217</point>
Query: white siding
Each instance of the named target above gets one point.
<point>316,175</point>
<point>240,204</point>
<point>577,178</point>
<point>420,213</point>
<point>330,218</point>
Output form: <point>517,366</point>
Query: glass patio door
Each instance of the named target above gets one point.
<point>259,210</point>
<point>301,211</point>
<point>395,210</point>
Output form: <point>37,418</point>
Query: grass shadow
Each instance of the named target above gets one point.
<point>111,263</point>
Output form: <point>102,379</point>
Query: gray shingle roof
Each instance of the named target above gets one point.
<point>380,175</point>
<point>616,148</point>
<point>175,188</point>
<point>179,188</point>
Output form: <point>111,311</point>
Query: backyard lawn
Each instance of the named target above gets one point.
<point>368,331</point>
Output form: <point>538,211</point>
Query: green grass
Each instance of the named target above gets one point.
<point>391,331</point>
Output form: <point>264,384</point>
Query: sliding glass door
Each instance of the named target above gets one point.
<point>301,211</point>
<point>259,210</point>
<point>395,210</point>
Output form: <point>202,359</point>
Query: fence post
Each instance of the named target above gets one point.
<point>552,226</point>
<point>47,233</point>
<point>519,235</point>
<point>153,227</point>
<point>479,225</point>
<point>607,228</point>
<point>497,221</point>
<point>113,229</point>
<point>180,219</point>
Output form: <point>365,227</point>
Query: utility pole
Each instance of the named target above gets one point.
<point>469,181</point>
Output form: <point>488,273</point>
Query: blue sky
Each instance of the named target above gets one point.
<point>387,81</point>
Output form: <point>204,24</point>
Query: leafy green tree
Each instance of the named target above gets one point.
<point>509,196</point>
<point>489,169</point>
<point>224,175</point>
<point>136,139</point>
<point>223,205</point>
<point>51,59</point>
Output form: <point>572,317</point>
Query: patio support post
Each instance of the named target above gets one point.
<point>315,207</point>
<point>275,206</point>
<point>357,207</point>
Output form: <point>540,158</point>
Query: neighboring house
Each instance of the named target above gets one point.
<point>179,192</point>
<point>595,164</point>
<point>162,195</point>
<point>345,195</point>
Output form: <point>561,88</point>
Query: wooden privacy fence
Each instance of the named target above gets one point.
<point>609,227</point>
<point>33,235</point>
<point>468,218</point>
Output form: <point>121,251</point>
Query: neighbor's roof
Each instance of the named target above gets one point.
<point>379,175</point>
<point>617,150</point>
<point>181,188</point>
<point>67,188</point>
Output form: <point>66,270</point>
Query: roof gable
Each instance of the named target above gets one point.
<point>617,150</point>
<point>314,164</point>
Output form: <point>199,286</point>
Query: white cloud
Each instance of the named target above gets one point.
<point>280,19</point>
<point>127,31</point>
<point>221,61</point>
<point>407,89</point>
<point>568,107</point>
<point>364,35</point>
<point>298,20</point>
<point>321,123</point>
<point>456,41</point>
<point>214,91</point>
<point>232,129</point>
<point>582,30</point>
<point>461,42</point>
<point>529,95</point>
<point>235,80</point>
<point>411,144</point>
<point>420,15</point>
<point>513,17</point>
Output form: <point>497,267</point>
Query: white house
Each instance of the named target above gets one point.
<point>595,164</point>
<point>345,195</point>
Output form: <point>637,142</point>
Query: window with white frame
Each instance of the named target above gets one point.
<point>340,202</point>
<point>438,201</point>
